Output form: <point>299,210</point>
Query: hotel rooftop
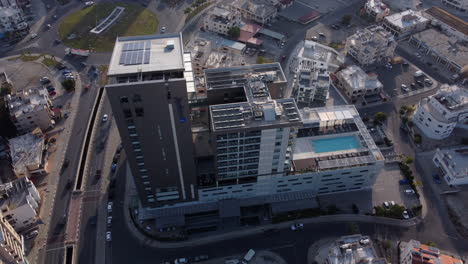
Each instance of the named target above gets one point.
<point>353,249</point>
<point>333,137</point>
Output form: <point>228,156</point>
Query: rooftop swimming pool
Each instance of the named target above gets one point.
<point>335,144</point>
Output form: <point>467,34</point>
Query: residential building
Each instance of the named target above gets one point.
<point>453,164</point>
<point>460,5</point>
<point>30,109</point>
<point>448,23</point>
<point>8,3</point>
<point>149,78</point>
<point>371,45</point>
<point>355,83</point>
<point>12,244</point>
<point>437,115</point>
<point>405,23</point>
<point>259,11</point>
<point>313,65</point>
<point>11,19</point>
<point>413,252</point>
<point>28,155</point>
<point>353,249</point>
<point>19,202</point>
<point>232,47</point>
<point>221,19</point>
<point>376,10</point>
<point>200,50</point>
<point>447,51</point>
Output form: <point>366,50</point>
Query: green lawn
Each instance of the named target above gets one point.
<point>135,20</point>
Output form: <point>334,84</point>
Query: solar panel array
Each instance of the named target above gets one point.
<point>134,53</point>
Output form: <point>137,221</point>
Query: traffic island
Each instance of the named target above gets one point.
<point>135,20</point>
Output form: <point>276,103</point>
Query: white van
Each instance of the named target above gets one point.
<point>250,254</point>
<point>418,74</point>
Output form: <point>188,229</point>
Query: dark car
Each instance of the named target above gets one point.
<point>200,258</point>
<point>66,163</point>
<point>420,83</point>
<point>68,185</point>
<point>413,85</point>
<point>45,81</point>
<point>60,66</point>
<point>404,181</point>
<point>50,88</point>
<point>98,174</point>
<point>57,41</point>
<point>52,93</point>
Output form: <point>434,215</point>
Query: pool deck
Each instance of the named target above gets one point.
<point>305,150</point>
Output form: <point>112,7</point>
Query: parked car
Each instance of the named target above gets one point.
<point>66,162</point>
<point>108,236</point>
<point>52,93</point>
<point>98,174</point>
<point>409,191</point>
<point>48,26</point>
<point>420,83</point>
<point>386,204</point>
<point>413,85</point>
<point>200,258</point>
<point>180,261</point>
<point>404,181</point>
<point>64,72</point>
<point>105,118</point>
<point>392,203</point>
<point>163,30</point>
<point>428,81</point>
<point>44,79</point>
<point>297,226</point>
<point>405,214</point>
<point>89,3</point>
<point>31,234</point>
<point>405,88</point>
<point>50,88</point>
<point>109,207</point>
<point>33,35</point>
<point>113,167</point>
<point>109,221</point>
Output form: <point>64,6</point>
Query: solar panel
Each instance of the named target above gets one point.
<point>146,59</point>
<point>134,53</point>
<point>122,57</point>
<point>125,47</point>
<point>148,45</point>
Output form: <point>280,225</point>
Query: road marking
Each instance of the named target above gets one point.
<point>52,249</point>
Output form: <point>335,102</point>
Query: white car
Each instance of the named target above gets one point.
<point>163,30</point>
<point>180,261</point>
<point>105,118</point>
<point>405,88</point>
<point>32,234</point>
<point>89,3</point>
<point>109,221</point>
<point>409,191</point>
<point>405,214</point>
<point>392,203</point>
<point>109,207</point>
<point>297,226</point>
<point>33,35</point>
<point>386,204</point>
<point>48,26</point>
<point>108,236</point>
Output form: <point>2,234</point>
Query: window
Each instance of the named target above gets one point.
<point>123,99</point>
<point>137,98</point>
<point>139,111</point>
<point>127,112</point>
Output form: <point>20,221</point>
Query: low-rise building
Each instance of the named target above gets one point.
<point>437,115</point>
<point>355,83</point>
<point>260,11</point>
<point>460,5</point>
<point>11,19</point>
<point>376,10</point>
<point>448,22</point>
<point>30,109</point>
<point>371,45</point>
<point>453,164</point>
<point>353,249</point>
<point>221,19</point>
<point>28,155</point>
<point>405,23</point>
<point>313,65</point>
<point>19,202</point>
<point>413,252</point>
<point>12,244</point>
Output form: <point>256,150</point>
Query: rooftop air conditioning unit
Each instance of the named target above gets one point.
<point>170,44</point>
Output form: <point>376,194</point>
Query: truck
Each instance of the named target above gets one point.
<point>78,52</point>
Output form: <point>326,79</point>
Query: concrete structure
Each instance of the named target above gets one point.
<point>448,51</point>
<point>376,10</point>
<point>405,23</point>
<point>313,65</point>
<point>19,202</point>
<point>357,84</point>
<point>11,244</point>
<point>371,45</point>
<point>30,109</point>
<point>8,3</point>
<point>28,156</point>
<point>221,19</point>
<point>232,47</point>
<point>449,23</point>
<point>460,5</point>
<point>453,163</point>
<point>260,11</point>
<point>11,19</point>
<point>200,50</point>
<point>353,249</point>
<point>149,78</point>
<point>413,252</point>
<point>437,115</point>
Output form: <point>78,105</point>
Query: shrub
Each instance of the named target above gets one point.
<point>234,32</point>
<point>417,139</point>
<point>346,19</point>
<point>380,117</point>
<point>409,160</point>
<point>69,85</point>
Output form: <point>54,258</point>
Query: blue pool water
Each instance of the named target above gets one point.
<point>335,144</point>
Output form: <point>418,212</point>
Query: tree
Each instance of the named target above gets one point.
<point>404,119</point>
<point>431,244</point>
<point>6,89</point>
<point>69,85</point>
<point>417,139</point>
<point>187,10</point>
<point>410,123</point>
<point>346,19</point>
<point>409,160</point>
<point>353,228</point>
<point>380,117</point>
<point>234,32</point>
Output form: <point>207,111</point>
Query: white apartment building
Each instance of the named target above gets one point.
<point>260,11</point>
<point>30,109</point>
<point>355,83</point>
<point>221,19</point>
<point>11,19</point>
<point>413,252</point>
<point>437,115</point>
<point>19,202</point>
<point>11,244</point>
<point>405,23</point>
<point>449,23</point>
<point>453,163</point>
<point>27,154</point>
<point>353,249</point>
<point>371,45</point>
<point>313,65</point>
<point>460,5</point>
<point>376,9</point>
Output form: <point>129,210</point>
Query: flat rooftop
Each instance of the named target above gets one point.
<point>27,101</point>
<point>446,17</point>
<point>447,47</point>
<point>458,157</point>
<point>406,19</point>
<point>353,249</point>
<point>358,79</point>
<point>26,150</point>
<point>320,53</point>
<point>453,97</point>
<point>150,53</point>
